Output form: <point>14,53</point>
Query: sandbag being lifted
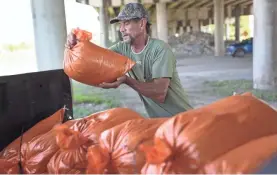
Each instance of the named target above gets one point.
<point>91,64</point>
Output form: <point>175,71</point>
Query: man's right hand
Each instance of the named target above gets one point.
<point>71,40</point>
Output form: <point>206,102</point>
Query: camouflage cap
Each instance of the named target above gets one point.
<point>131,11</point>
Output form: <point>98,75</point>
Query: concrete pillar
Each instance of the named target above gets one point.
<point>195,25</point>
<point>219,27</point>
<point>210,27</point>
<point>162,27</point>
<point>174,28</point>
<point>251,22</point>
<point>265,45</point>
<point>188,28</point>
<point>237,23</point>
<point>104,29</point>
<point>154,33</point>
<point>50,33</point>
<point>181,30</point>
<point>251,25</point>
<point>227,30</point>
<point>113,33</point>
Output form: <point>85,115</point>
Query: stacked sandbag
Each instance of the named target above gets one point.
<point>38,129</point>
<point>53,147</point>
<point>91,64</point>
<point>223,137</point>
<point>9,166</point>
<point>71,158</point>
<point>118,151</point>
<point>38,152</point>
<point>101,121</point>
<point>10,154</point>
<point>246,159</point>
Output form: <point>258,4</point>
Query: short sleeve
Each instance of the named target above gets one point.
<point>163,65</point>
<point>115,48</point>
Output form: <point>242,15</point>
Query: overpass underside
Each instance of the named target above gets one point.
<point>177,16</point>
<point>168,16</point>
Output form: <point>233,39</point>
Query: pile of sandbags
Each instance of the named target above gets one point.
<point>53,147</point>
<point>235,135</point>
<point>91,64</point>
<point>192,44</point>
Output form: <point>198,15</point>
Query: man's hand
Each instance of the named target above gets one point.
<point>115,84</point>
<point>71,40</point>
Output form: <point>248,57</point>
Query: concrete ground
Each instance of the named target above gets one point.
<point>193,73</point>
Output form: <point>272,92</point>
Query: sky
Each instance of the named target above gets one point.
<point>17,24</point>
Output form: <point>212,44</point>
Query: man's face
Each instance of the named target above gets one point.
<point>130,30</point>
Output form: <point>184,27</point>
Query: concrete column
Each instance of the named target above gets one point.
<point>251,22</point>
<point>104,29</point>
<point>195,25</point>
<point>50,33</point>
<point>265,45</point>
<point>174,28</point>
<point>113,33</point>
<point>188,28</point>
<point>181,30</point>
<point>154,33</point>
<point>237,23</point>
<point>162,27</point>
<point>210,27</point>
<point>227,30</point>
<point>219,27</point>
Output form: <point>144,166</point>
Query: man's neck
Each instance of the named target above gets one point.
<point>139,43</point>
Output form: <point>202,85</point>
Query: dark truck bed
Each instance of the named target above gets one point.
<point>26,99</point>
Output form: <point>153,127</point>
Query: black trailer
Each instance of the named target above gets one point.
<point>26,99</point>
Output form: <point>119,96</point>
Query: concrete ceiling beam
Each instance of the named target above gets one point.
<point>249,3</point>
<point>200,3</point>
<point>237,2</point>
<point>186,4</point>
<point>175,4</point>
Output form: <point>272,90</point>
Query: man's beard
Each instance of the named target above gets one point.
<point>127,39</point>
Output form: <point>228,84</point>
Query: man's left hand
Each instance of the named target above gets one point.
<point>115,84</point>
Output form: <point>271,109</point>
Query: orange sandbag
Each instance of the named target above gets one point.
<point>91,64</point>
<point>82,35</point>
<point>246,159</point>
<point>76,124</point>
<point>38,129</point>
<point>118,149</point>
<point>41,149</point>
<point>195,138</point>
<point>9,166</point>
<point>71,158</point>
<point>38,153</point>
<point>101,121</point>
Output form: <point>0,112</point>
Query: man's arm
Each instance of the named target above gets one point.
<point>156,90</point>
<point>162,72</point>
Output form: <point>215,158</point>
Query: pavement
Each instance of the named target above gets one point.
<point>193,72</point>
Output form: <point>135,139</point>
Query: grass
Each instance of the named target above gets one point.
<point>228,87</point>
<point>16,47</point>
<point>88,99</point>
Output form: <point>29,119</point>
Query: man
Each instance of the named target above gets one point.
<point>154,76</point>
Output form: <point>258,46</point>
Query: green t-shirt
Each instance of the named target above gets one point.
<point>156,60</point>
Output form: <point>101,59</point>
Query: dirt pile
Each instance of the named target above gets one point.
<point>192,43</point>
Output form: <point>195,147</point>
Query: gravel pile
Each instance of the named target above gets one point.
<point>193,43</point>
